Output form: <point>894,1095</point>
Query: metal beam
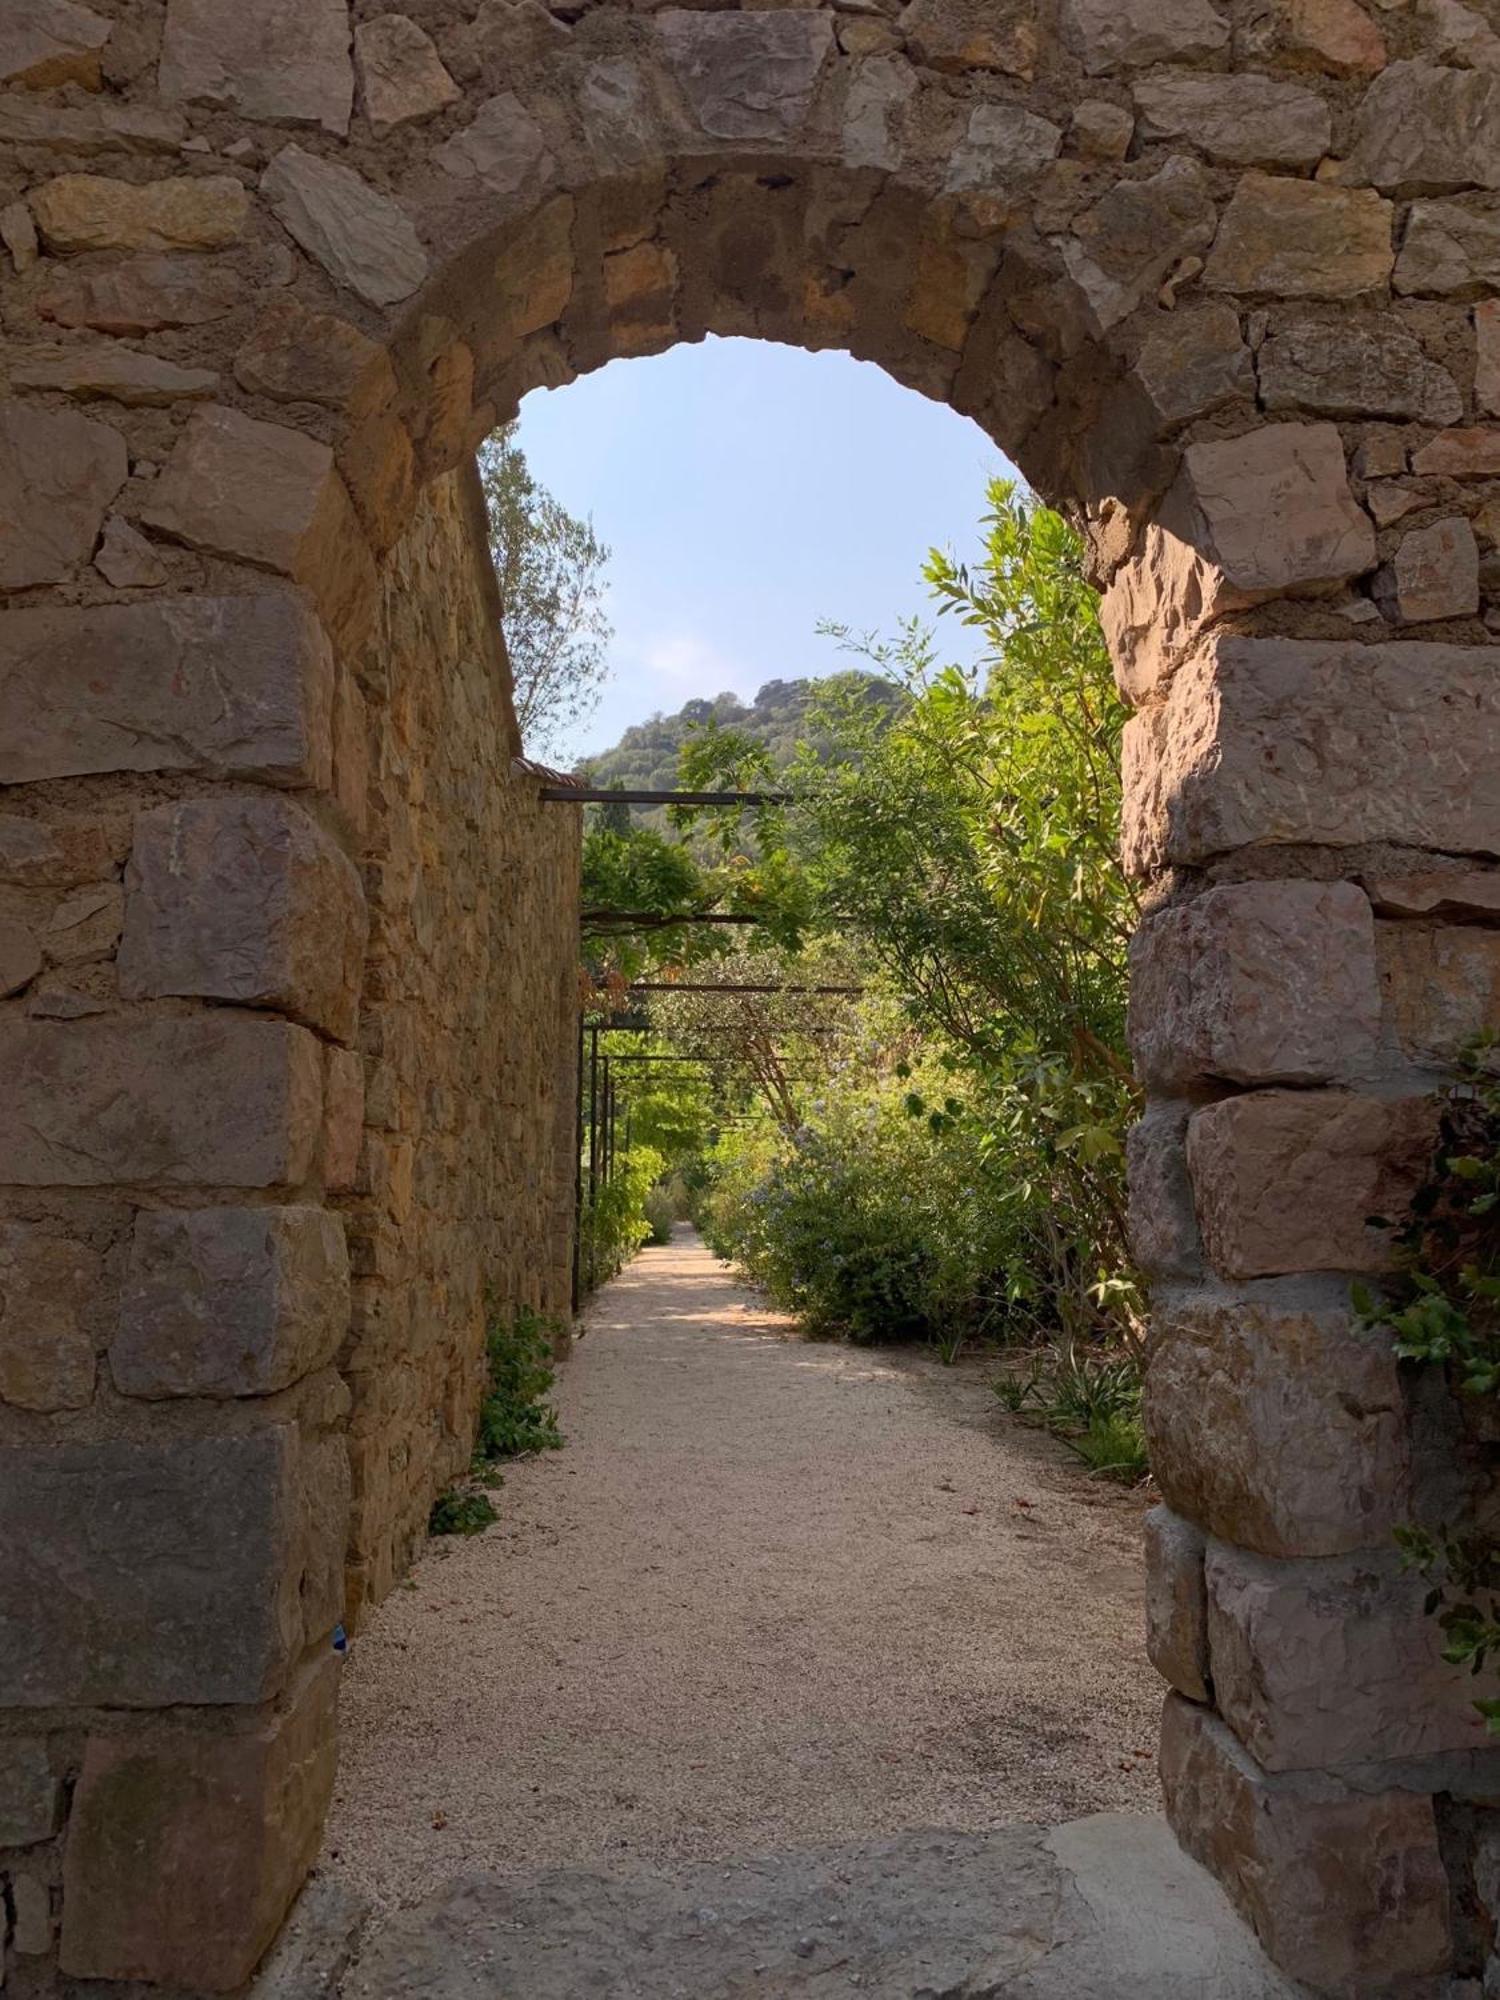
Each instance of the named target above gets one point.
<point>597,795</point>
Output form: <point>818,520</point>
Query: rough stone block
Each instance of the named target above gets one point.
<point>503,146</point>
<point>1249,120</point>
<point>1346,1890</point>
<point>185,1849</point>
<point>30,1796</point>
<point>31,1899</point>
<point>1448,247</point>
<point>1307,1180</point>
<point>1369,371</point>
<point>44,43</point>
<point>216,1099</point>
<point>362,238</point>
<point>92,212</point>
<point>230,1301</point>
<point>1423,129</point>
<point>20,956</point>
<point>244,898</point>
<point>1194,362</point>
<point>1334,36</point>
<point>1272,741</point>
<point>1256,982</point>
<point>1176,1603</point>
<point>1436,572</point>
<point>297,356</point>
<point>139,1575</point>
<point>1441,985</point>
<point>1281,1430</point>
<point>1301,239</point>
<point>1453,893</point>
<point>1487,355</point>
<point>142,294</point>
<point>343,1119</point>
<point>121,373</point>
<point>401,75</point>
<point>231,686</point>
<point>1130,35</point>
<point>286,60</point>
<point>268,495</point>
<point>58,473</point>
<point>747,75</point>
<point>1470,453</point>
<point>1247,518</point>
<point>86,925</point>
<point>1318,1664</point>
<point>49,1308</point>
<point>1124,245</point>
<point>1163,1228</point>
<point>86,130</point>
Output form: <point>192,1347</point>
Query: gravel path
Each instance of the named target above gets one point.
<point>772,1594</point>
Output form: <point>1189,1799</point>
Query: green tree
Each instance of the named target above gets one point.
<point>550,566</point>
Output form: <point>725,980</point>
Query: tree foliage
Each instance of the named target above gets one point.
<point>550,566</point>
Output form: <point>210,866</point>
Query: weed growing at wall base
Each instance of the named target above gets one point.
<point>515,1418</point>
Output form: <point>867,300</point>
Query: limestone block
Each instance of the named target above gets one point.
<point>1307,1180</point>
<point>20,956</point>
<point>1331,1662</point>
<point>44,43</point>
<point>296,356</point>
<point>126,559</point>
<point>1249,120</point>
<point>141,295</point>
<point>1461,454</point>
<point>286,60</point>
<point>343,1119</point>
<point>1355,371</point>
<point>1449,246</point>
<point>1301,239</point>
<point>1101,130</point>
<point>232,686</point>
<point>269,495</point>
<point>620,119</point>
<point>1436,572</point>
<point>1273,740</point>
<point>1176,1603</point>
<point>401,75</point>
<point>213,1099</point>
<point>962,35</point>
<point>534,279</point>
<point>1129,34</point>
<point>1163,1227</point>
<point>48,1305</point>
<point>30,1796</point>
<point>1442,987</point>
<point>1487,355</point>
<point>230,1301</point>
<point>1283,1847</point>
<point>1424,130</point>
<point>86,925</point>
<point>1247,518</point>
<point>84,130</point>
<point>503,146</point>
<point>58,473</point>
<point>1194,362</point>
<point>1283,1431</point>
<point>138,1574</point>
<point>362,238</point>
<point>186,1849</point>
<point>1335,36</point>
<point>747,75</point>
<point>91,212</point>
<point>120,373</point>
<point>1124,245</point>
<point>1456,894</point>
<point>1002,145</point>
<point>244,898</point>
<point>1256,982</point>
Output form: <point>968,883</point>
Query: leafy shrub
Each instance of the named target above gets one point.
<point>661,1213</point>
<point>460,1511</point>
<point>515,1418</point>
<point>614,1224</point>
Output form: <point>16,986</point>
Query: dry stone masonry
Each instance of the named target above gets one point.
<point>286,939</point>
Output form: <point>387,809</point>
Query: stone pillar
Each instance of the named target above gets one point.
<point>1314,818</point>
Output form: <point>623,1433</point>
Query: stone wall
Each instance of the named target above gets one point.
<point>1220,276</point>
<point>468,1034</point>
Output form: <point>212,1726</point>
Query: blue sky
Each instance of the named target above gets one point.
<point>746,491</point>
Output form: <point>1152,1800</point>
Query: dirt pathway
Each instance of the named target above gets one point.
<point>772,1594</point>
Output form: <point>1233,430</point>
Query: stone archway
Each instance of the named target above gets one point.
<point>286,937</point>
